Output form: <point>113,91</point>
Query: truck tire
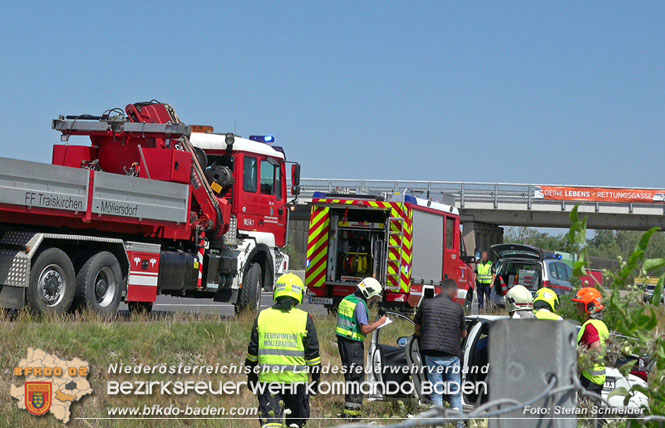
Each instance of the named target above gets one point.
<point>249,299</point>
<point>52,283</point>
<point>99,283</point>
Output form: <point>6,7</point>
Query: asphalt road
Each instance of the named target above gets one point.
<point>167,304</point>
<point>207,306</point>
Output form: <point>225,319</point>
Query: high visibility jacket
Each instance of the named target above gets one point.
<point>597,373</point>
<point>484,273</point>
<point>347,325</point>
<point>544,314</point>
<point>281,346</point>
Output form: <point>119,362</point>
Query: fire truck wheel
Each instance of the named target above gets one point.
<point>52,283</point>
<point>99,283</point>
<point>250,293</point>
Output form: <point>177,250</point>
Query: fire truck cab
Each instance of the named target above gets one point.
<point>410,245</point>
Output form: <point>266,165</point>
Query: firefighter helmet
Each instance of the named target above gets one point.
<point>547,296</point>
<point>370,287</point>
<point>519,298</point>
<point>289,285</point>
<point>591,298</point>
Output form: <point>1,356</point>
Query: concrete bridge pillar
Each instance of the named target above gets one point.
<point>480,235</point>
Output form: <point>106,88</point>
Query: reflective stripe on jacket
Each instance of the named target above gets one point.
<point>347,325</point>
<point>597,373</point>
<point>281,346</point>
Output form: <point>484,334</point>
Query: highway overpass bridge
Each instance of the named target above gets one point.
<point>485,207</point>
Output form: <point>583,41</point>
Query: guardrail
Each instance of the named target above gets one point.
<point>452,192</point>
<point>437,190</point>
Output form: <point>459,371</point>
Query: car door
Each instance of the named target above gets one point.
<point>556,283</point>
<point>262,199</point>
<point>475,357</point>
<point>559,277</point>
<point>565,274</point>
<point>387,362</point>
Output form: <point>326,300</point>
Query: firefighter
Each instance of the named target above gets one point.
<point>485,279</point>
<point>353,326</point>
<point>519,303</point>
<point>545,305</point>
<point>285,347</point>
<point>592,337</point>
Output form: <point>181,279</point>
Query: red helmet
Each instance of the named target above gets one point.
<point>590,297</point>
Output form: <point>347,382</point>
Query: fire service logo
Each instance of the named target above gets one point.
<point>51,384</point>
<point>38,397</point>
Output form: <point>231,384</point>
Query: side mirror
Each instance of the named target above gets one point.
<point>469,259</point>
<point>402,341</point>
<point>295,179</point>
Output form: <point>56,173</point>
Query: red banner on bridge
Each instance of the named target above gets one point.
<point>600,194</point>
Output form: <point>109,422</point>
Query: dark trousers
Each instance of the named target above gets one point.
<point>484,292</point>
<point>271,413</point>
<point>590,386</point>
<point>352,353</point>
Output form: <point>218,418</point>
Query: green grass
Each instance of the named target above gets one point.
<point>174,339</point>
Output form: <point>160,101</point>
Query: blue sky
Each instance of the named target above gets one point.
<point>537,92</point>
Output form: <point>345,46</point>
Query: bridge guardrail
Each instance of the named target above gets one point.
<point>452,192</point>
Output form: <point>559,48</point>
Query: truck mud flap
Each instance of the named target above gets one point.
<point>12,297</point>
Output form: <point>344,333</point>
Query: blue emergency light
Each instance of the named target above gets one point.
<point>554,256</point>
<point>262,138</point>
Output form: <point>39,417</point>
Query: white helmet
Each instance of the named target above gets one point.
<point>369,287</point>
<point>519,299</point>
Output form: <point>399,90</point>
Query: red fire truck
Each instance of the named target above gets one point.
<point>152,206</point>
<point>409,244</point>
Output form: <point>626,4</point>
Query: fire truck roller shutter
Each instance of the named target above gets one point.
<point>427,247</point>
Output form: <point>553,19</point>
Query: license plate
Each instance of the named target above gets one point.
<point>320,300</point>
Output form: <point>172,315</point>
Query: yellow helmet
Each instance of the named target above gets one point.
<point>548,296</point>
<point>289,285</point>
